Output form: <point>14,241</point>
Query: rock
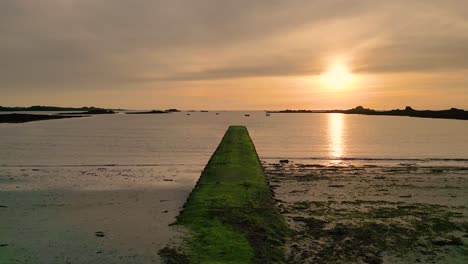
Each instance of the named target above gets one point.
<point>442,241</point>
<point>284,161</point>
<point>424,246</point>
<point>423,243</point>
<point>148,112</point>
<point>98,111</point>
<point>372,259</point>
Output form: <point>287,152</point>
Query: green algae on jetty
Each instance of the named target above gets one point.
<point>231,214</point>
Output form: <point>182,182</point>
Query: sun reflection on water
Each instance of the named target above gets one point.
<point>335,131</point>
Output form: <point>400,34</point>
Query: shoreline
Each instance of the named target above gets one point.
<point>98,214</point>
<point>116,207</point>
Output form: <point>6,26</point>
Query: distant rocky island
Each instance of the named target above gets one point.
<point>452,113</point>
<point>93,111</point>
<point>38,108</point>
<point>168,111</point>
<point>23,118</point>
<point>69,112</point>
<point>19,117</point>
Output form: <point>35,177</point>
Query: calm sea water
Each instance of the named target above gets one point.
<point>191,139</point>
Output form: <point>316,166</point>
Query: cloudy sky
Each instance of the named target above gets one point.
<point>213,54</point>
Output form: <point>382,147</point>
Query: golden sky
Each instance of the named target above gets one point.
<point>213,54</point>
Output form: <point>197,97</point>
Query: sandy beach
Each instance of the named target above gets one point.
<point>399,213</point>
<point>93,214</point>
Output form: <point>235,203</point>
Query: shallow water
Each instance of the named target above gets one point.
<point>181,139</point>
<point>128,175</point>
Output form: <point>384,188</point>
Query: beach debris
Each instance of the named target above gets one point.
<point>406,196</point>
<point>99,234</point>
<point>295,191</point>
<point>336,185</point>
<point>407,164</point>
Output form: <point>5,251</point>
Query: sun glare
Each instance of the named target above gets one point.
<point>337,77</point>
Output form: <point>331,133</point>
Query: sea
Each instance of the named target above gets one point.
<point>187,138</point>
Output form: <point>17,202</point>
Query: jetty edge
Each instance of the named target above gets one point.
<point>231,215</point>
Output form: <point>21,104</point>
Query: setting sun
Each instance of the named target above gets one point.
<point>337,77</point>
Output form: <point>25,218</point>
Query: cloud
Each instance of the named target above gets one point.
<point>88,44</point>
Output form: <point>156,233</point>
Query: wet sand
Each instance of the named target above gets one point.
<point>367,213</point>
<point>94,214</point>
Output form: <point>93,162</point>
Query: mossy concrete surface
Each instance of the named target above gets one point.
<point>231,214</point>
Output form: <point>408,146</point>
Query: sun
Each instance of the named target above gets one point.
<point>338,76</point>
